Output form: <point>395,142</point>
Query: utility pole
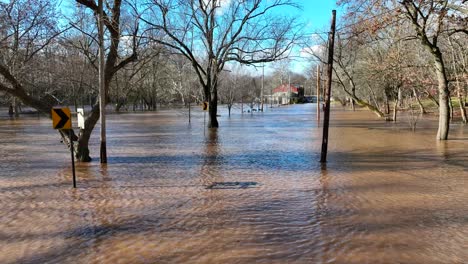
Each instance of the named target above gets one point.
<point>263,80</point>
<point>271,97</point>
<point>289,84</point>
<point>318,92</point>
<point>102,92</point>
<point>326,121</point>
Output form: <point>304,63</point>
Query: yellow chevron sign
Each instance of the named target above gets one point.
<point>205,106</point>
<point>61,118</point>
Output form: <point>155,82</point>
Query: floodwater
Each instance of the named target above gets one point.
<point>387,195</point>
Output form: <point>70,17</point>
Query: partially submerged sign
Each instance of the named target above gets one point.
<point>61,118</point>
<point>80,118</point>
<point>231,185</point>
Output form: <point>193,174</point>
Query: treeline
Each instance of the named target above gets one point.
<point>393,55</point>
<point>156,52</point>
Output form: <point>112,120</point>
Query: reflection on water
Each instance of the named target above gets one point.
<point>387,195</point>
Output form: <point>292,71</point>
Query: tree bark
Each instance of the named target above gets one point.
<point>461,102</point>
<point>213,108</point>
<point>451,108</point>
<point>444,120</point>
<point>387,104</point>
<point>362,103</point>
<point>421,106</point>
<point>415,13</point>
<point>429,95</point>
<point>397,103</point>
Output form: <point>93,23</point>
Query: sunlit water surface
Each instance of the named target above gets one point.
<point>387,195</point>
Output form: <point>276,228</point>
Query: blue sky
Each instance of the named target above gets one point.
<point>316,13</point>
<point>316,16</point>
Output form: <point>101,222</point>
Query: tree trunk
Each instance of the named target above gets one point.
<point>421,106</point>
<point>397,103</point>
<point>364,104</point>
<point>82,151</point>
<point>429,95</point>
<point>451,108</point>
<point>242,105</point>
<point>189,112</point>
<point>461,101</point>
<point>213,108</point>
<point>444,120</point>
<point>353,91</point>
<point>387,105</point>
<point>15,107</point>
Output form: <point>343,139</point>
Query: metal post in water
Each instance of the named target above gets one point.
<point>70,134</point>
<point>263,80</point>
<point>289,84</point>
<point>318,92</point>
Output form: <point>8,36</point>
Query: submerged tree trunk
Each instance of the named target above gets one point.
<point>429,95</point>
<point>387,105</point>
<point>242,105</point>
<point>444,121</point>
<point>461,101</point>
<point>420,20</point>
<point>362,103</point>
<point>353,91</point>
<point>15,107</point>
<point>82,151</point>
<point>211,96</point>
<point>421,106</point>
<point>451,108</point>
<point>213,108</point>
<point>397,104</point>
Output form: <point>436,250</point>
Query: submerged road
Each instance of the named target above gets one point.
<point>250,192</point>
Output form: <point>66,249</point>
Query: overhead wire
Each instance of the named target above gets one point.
<point>355,23</point>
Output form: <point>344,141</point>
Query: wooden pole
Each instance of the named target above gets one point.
<point>263,80</point>
<point>289,84</point>
<point>189,113</point>
<point>318,92</point>
<point>102,91</point>
<point>326,120</point>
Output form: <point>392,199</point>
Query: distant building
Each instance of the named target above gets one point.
<point>283,93</point>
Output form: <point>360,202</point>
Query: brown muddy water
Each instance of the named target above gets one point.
<point>387,195</point>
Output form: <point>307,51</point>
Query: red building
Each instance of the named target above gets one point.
<point>283,93</point>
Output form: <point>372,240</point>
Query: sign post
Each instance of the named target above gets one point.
<point>72,157</point>
<point>61,119</point>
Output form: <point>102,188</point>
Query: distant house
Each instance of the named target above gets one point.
<point>283,93</point>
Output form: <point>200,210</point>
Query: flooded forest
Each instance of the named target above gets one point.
<point>196,130</point>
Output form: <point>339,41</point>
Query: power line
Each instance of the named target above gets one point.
<point>355,23</point>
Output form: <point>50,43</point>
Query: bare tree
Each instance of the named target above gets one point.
<point>27,28</point>
<point>431,20</point>
<point>212,33</point>
<point>113,63</point>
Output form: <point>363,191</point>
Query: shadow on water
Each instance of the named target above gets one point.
<point>211,159</point>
